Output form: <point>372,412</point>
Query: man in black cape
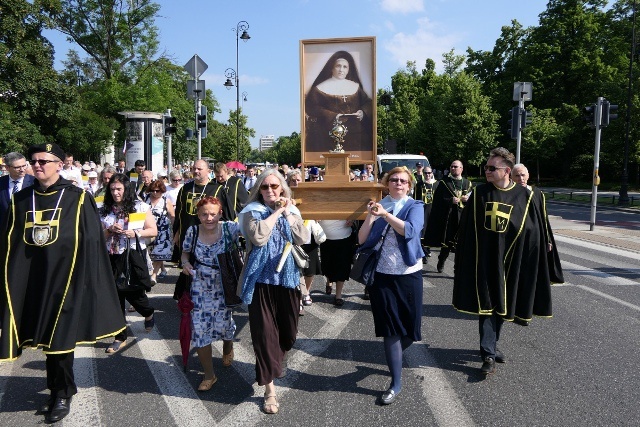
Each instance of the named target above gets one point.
<point>448,201</point>
<point>231,192</point>
<point>188,197</point>
<point>58,289</point>
<point>502,270</point>
<point>424,190</point>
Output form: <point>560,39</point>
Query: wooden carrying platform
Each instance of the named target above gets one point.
<point>336,197</point>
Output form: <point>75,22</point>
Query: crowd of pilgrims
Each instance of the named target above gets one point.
<point>189,217</point>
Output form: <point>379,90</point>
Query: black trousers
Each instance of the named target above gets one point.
<point>489,328</point>
<point>139,301</point>
<point>60,378</point>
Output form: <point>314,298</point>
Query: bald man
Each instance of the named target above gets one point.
<point>520,175</point>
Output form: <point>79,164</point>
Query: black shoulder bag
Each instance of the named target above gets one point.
<point>183,284</point>
<point>134,271</point>
<point>366,261</point>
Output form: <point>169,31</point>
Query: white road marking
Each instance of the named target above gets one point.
<point>625,253</point>
<point>86,404</point>
<point>604,295</point>
<point>442,399</point>
<point>599,276</point>
<point>182,400</point>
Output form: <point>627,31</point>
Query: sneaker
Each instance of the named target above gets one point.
<point>489,366</point>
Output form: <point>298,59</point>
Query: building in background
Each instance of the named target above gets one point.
<point>266,142</point>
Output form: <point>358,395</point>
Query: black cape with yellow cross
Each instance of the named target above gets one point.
<point>59,292</point>
<point>502,262</point>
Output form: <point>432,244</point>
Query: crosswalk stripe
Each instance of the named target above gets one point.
<point>86,404</point>
<point>182,401</point>
<point>441,398</point>
<point>599,276</point>
<point>604,295</point>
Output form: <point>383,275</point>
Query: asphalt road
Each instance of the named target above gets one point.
<point>580,367</point>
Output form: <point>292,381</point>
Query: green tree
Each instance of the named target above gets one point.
<point>115,34</point>
<point>34,102</point>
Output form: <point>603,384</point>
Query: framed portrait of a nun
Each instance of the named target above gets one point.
<point>338,87</point>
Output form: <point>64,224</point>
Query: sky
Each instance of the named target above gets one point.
<point>269,63</point>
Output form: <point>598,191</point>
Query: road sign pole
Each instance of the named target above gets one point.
<point>198,105</point>
<point>196,66</point>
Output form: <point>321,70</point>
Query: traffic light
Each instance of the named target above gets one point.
<point>514,122</point>
<point>607,108</point>
<point>169,125</point>
<point>525,118</point>
<point>202,121</point>
<point>590,115</point>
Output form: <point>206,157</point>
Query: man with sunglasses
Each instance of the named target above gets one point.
<point>502,265</point>
<point>449,198</point>
<point>56,278</point>
<point>16,180</point>
<point>425,187</point>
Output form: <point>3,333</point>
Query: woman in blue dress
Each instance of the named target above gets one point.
<point>211,320</point>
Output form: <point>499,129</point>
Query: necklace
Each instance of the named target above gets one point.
<point>41,233</point>
<point>198,198</point>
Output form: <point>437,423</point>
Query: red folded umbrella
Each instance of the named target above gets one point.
<point>236,165</point>
<point>185,305</point>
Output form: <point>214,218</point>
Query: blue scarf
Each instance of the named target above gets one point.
<point>392,205</point>
<point>258,257</point>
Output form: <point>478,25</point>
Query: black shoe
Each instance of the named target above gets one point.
<point>61,409</point>
<point>489,365</point>
<point>388,397</point>
<point>440,266</point>
<point>500,357</point>
<point>428,252</point>
<point>520,322</point>
<point>46,408</point>
<point>424,259</point>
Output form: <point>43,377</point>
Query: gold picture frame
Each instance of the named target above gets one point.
<point>338,81</point>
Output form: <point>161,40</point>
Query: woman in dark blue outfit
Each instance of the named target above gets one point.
<point>394,224</point>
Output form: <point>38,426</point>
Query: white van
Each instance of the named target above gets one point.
<point>386,162</point>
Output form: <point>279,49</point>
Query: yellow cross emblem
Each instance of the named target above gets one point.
<point>48,220</point>
<point>496,216</point>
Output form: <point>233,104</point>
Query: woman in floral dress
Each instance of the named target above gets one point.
<point>211,320</point>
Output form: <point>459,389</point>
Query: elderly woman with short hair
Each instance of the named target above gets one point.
<point>271,223</point>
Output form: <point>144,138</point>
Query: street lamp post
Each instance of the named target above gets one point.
<point>624,185</point>
<point>241,33</point>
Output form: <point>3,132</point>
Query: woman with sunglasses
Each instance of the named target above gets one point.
<point>271,223</point>
<point>394,224</point>
<point>164,213</point>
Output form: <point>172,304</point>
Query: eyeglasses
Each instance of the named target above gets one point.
<point>176,180</point>
<point>20,167</point>
<point>400,180</point>
<point>41,162</point>
<point>428,173</point>
<point>493,168</point>
<point>269,186</point>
